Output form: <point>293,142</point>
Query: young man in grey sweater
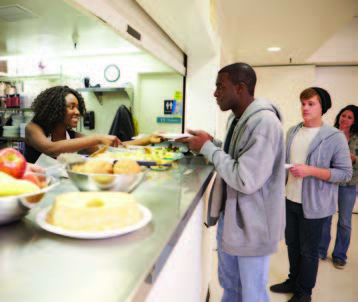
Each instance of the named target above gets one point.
<point>320,160</point>
<point>247,197</point>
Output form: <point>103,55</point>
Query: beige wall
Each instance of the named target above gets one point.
<point>342,84</point>
<point>282,86</point>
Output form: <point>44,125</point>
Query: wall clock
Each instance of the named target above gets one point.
<point>112,73</point>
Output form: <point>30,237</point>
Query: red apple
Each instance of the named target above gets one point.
<point>12,162</point>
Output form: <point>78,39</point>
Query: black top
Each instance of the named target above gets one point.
<point>32,155</point>
<point>226,149</point>
<point>229,135</point>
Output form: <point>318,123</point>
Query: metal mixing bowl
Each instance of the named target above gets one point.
<point>13,208</point>
<point>105,182</point>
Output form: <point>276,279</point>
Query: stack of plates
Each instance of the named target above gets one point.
<point>17,120</point>
<point>28,116</point>
<point>22,129</point>
<point>11,131</point>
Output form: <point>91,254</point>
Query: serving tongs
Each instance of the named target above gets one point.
<point>152,163</point>
<point>99,151</point>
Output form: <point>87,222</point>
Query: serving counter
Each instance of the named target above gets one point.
<point>161,261</point>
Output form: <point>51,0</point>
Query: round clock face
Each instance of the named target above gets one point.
<point>111,73</point>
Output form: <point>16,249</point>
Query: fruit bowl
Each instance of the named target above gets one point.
<point>15,207</point>
<point>105,182</point>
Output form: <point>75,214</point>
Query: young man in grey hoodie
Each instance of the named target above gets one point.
<point>247,197</point>
<point>320,160</point>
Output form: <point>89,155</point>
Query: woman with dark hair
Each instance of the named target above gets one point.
<point>57,111</point>
<point>347,122</point>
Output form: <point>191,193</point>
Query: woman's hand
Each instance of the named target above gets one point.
<point>30,168</point>
<point>110,140</point>
<point>353,158</point>
<point>155,138</point>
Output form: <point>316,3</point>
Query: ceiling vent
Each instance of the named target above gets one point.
<point>15,13</point>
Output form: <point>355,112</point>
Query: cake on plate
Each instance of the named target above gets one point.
<point>94,211</point>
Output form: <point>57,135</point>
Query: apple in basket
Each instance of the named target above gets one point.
<point>12,162</point>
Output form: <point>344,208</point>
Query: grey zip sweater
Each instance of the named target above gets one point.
<point>328,149</point>
<point>254,174</point>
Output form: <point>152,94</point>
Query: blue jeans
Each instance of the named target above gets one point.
<point>346,200</point>
<point>244,279</point>
<point>303,237</point>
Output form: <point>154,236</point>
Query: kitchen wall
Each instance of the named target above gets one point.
<point>74,69</point>
<point>153,88</point>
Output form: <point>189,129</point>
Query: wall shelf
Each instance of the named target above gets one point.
<point>16,109</point>
<point>12,139</point>
<point>54,76</point>
<point>99,91</point>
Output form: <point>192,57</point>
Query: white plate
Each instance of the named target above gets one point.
<point>175,135</point>
<point>173,155</point>
<point>139,136</point>
<point>41,221</point>
<point>288,166</point>
<point>182,147</point>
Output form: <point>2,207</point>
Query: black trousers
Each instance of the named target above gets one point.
<point>303,237</point>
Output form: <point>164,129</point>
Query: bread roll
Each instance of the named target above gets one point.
<point>126,166</point>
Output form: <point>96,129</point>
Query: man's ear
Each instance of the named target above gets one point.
<point>239,87</point>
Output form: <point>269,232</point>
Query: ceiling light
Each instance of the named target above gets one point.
<point>14,13</point>
<point>274,49</point>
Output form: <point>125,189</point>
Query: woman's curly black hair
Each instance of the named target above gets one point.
<point>50,107</point>
<point>354,127</point>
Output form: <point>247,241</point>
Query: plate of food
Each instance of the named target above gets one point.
<point>174,136</point>
<point>173,156</point>
<point>173,146</point>
<point>93,215</point>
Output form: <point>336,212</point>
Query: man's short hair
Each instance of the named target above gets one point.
<point>309,93</point>
<point>241,72</point>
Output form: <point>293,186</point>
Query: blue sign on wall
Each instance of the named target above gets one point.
<point>169,120</point>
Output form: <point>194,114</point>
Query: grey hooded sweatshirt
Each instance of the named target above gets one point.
<point>254,174</point>
<point>328,149</point>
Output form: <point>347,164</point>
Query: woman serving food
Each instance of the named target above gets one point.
<point>57,110</point>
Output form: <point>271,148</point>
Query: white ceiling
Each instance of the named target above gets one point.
<point>342,47</point>
<point>248,28</point>
<point>51,32</point>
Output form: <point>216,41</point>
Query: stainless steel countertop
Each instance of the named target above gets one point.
<point>37,266</point>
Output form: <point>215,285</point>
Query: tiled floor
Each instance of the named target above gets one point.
<point>332,285</point>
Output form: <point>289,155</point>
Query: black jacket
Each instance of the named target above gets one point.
<point>122,125</point>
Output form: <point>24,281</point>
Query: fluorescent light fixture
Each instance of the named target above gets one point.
<point>77,53</point>
<point>101,51</point>
<point>274,49</point>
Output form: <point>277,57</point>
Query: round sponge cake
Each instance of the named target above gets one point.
<point>94,211</point>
